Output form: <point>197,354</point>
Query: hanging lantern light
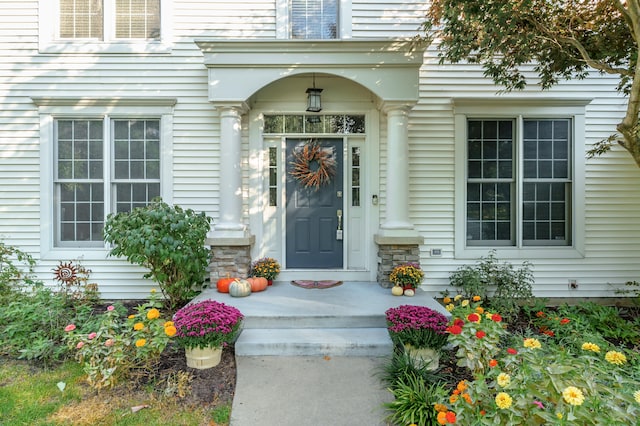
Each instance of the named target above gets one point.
<point>313,98</point>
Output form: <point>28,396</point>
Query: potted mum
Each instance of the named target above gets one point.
<point>408,276</point>
<point>421,331</point>
<point>266,267</point>
<point>204,328</point>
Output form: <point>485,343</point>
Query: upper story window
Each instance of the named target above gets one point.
<point>105,26</point>
<point>314,19</point>
<point>108,19</point>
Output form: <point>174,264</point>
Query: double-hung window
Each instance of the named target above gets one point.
<point>495,182</point>
<point>110,19</point>
<point>102,166</point>
<point>518,186</point>
<point>314,19</point>
<point>112,26</point>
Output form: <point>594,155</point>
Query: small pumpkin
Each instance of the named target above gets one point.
<point>239,288</point>
<point>397,290</point>
<point>223,284</point>
<point>257,283</point>
<point>409,292</point>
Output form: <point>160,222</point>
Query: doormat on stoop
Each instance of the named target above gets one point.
<point>316,284</point>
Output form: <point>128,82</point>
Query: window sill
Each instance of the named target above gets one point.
<point>123,47</point>
<point>505,253</point>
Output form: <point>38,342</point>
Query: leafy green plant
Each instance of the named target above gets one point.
<point>529,380</point>
<point>33,322</point>
<point>169,241</point>
<point>414,401</point>
<point>119,346</point>
<point>505,286</point>
<point>16,269</point>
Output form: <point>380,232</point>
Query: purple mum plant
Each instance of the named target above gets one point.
<point>418,326</point>
<point>207,324</point>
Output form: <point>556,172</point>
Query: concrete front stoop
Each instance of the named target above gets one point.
<point>346,320</point>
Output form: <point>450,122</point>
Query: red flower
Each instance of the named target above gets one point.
<point>549,333</point>
<point>454,329</point>
<point>451,417</point>
<point>493,363</point>
<point>496,317</point>
<point>458,322</point>
<point>512,351</point>
<point>473,318</point>
<point>540,314</point>
<point>564,321</point>
<point>480,334</point>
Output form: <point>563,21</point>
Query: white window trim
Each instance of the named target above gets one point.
<point>283,26</point>
<point>49,110</point>
<point>49,42</point>
<point>476,108</point>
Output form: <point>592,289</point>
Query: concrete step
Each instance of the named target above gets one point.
<point>315,321</point>
<point>314,342</point>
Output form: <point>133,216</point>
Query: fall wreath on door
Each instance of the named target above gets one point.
<point>313,166</point>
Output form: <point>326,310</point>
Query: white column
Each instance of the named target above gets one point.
<point>397,178</point>
<point>229,224</point>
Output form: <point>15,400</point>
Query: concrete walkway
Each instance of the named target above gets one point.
<point>309,391</point>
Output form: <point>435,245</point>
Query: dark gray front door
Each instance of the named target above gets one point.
<point>312,212</point>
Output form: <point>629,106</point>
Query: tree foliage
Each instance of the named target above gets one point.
<point>560,39</point>
<point>169,241</point>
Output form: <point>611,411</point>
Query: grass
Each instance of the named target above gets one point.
<point>31,396</point>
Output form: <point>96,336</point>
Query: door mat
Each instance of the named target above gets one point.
<point>316,284</point>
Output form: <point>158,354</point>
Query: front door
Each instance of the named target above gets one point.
<point>313,193</point>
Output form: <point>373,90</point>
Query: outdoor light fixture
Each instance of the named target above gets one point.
<point>313,98</point>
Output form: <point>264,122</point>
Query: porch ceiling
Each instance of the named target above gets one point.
<point>239,68</point>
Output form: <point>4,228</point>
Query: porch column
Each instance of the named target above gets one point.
<point>397,222</point>
<point>229,224</point>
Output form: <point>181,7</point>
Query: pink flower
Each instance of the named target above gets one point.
<point>110,308</point>
<point>92,336</point>
<point>79,345</point>
<point>109,342</point>
<point>70,327</point>
<point>539,404</point>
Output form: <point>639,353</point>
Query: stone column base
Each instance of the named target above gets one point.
<point>393,251</point>
<point>230,257</point>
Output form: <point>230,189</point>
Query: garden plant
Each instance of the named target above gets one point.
<point>169,241</point>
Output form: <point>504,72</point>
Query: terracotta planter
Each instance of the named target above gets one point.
<point>203,358</point>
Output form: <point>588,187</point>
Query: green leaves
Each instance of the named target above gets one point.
<point>169,241</point>
<point>556,39</point>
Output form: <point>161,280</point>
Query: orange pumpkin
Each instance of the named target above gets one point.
<point>257,283</point>
<point>223,284</point>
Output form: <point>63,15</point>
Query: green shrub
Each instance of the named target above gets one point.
<point>16,269</point>
<point>505,287</point>
<point>33,324</point>
<point>167,240</point>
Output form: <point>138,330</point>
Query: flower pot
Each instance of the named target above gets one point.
<point>269,282</point>
<point>423,357</point>
<point>203,358</point>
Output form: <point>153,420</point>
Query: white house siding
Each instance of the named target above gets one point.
<point>612,231</point>
<point>387,18</point>
<point>611,249</point>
